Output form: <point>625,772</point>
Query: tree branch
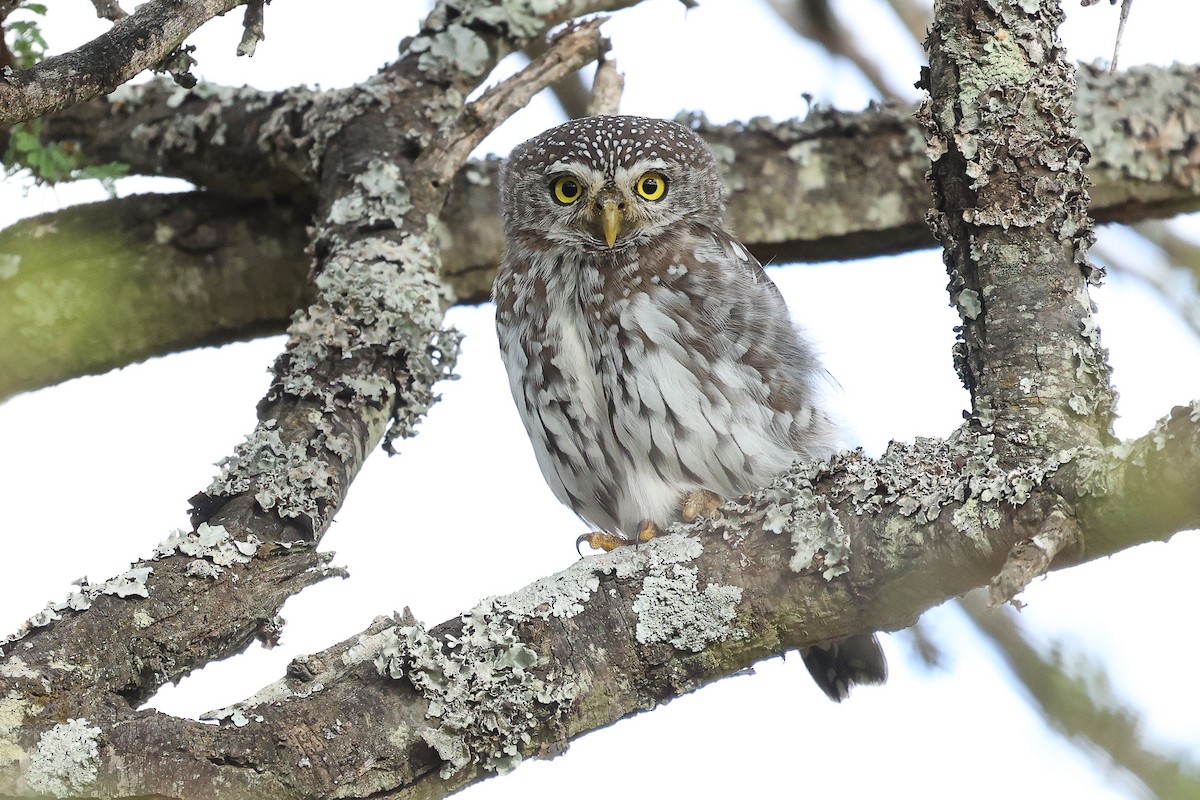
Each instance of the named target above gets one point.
<point>607,87</point>
<point>1139,125</point>
<point>1032,557</point>
<point>1082,708</point>
<point>825,552</point>
<point>134,43</point>
<point>96,287</point>
<point>1010,198</point>
<point>832,163</point>
<point>570,92</point>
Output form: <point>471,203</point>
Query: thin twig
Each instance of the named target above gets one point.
<point>134,43</point>
<point>566,53</point>
<point>1125,4</point>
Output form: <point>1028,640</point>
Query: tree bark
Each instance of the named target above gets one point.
<point>100,286</point>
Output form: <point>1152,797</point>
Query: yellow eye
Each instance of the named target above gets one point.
<point>566,190</point>
<point>652,186</point>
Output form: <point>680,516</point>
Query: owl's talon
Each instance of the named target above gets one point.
<point>599,540</point>
<point>700,504</point>
<point>646,531</point>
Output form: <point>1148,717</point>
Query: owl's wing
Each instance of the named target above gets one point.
<point>741,318</point>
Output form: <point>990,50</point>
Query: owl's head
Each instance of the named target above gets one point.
<point>605,183</point>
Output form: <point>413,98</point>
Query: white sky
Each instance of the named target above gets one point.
<point>98,470</point>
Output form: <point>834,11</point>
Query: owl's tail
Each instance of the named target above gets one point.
<point>837,667</point>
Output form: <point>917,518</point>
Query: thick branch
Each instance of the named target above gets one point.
<point>106,284</point>
<point>831,163</point>
<point>1011,204</point>
<point>134,43</point>
<point>857,178</point>
<point>1148,486</point>
<point>826,552</point>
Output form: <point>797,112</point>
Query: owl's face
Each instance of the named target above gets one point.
<point>603,184</point>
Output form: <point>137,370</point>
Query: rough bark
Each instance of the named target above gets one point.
<point>1140,126</point>
<point>857,179</point>
<point>1011,199</point>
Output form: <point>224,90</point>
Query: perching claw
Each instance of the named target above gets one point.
<point>599,540</point>
<point>699,504</point>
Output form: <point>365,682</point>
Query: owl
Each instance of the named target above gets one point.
<point>653,362</point>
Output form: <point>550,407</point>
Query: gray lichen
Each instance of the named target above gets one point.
<point>559,596</point>
<point>968,303</point>
<point>453,41</point>
<point>379,194</point>
<point>1143,122</point>
<point>789,506</point>
<point>672,608</point>
<point>456,47</point>
<point>382,295</point>
<point>919,480</point>
<point>13,710</point>
<point>236,715</point>
<point>65,760</point>
<point>186,132</point>
<point>211,545</point>
<point>283,475</point>
<point>1004,64</point>
<point>488,692</point>
<point>10,265</point>
<point>1101,471</point>
<point>132,582</point>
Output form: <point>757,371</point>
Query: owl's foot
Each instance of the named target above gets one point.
<point>599,540</point>
<point>700,504</point>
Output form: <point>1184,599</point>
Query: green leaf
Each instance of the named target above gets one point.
<point>28,46</point>
<point>55,162</point>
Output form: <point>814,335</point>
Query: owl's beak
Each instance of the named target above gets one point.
<point>610,219</point>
